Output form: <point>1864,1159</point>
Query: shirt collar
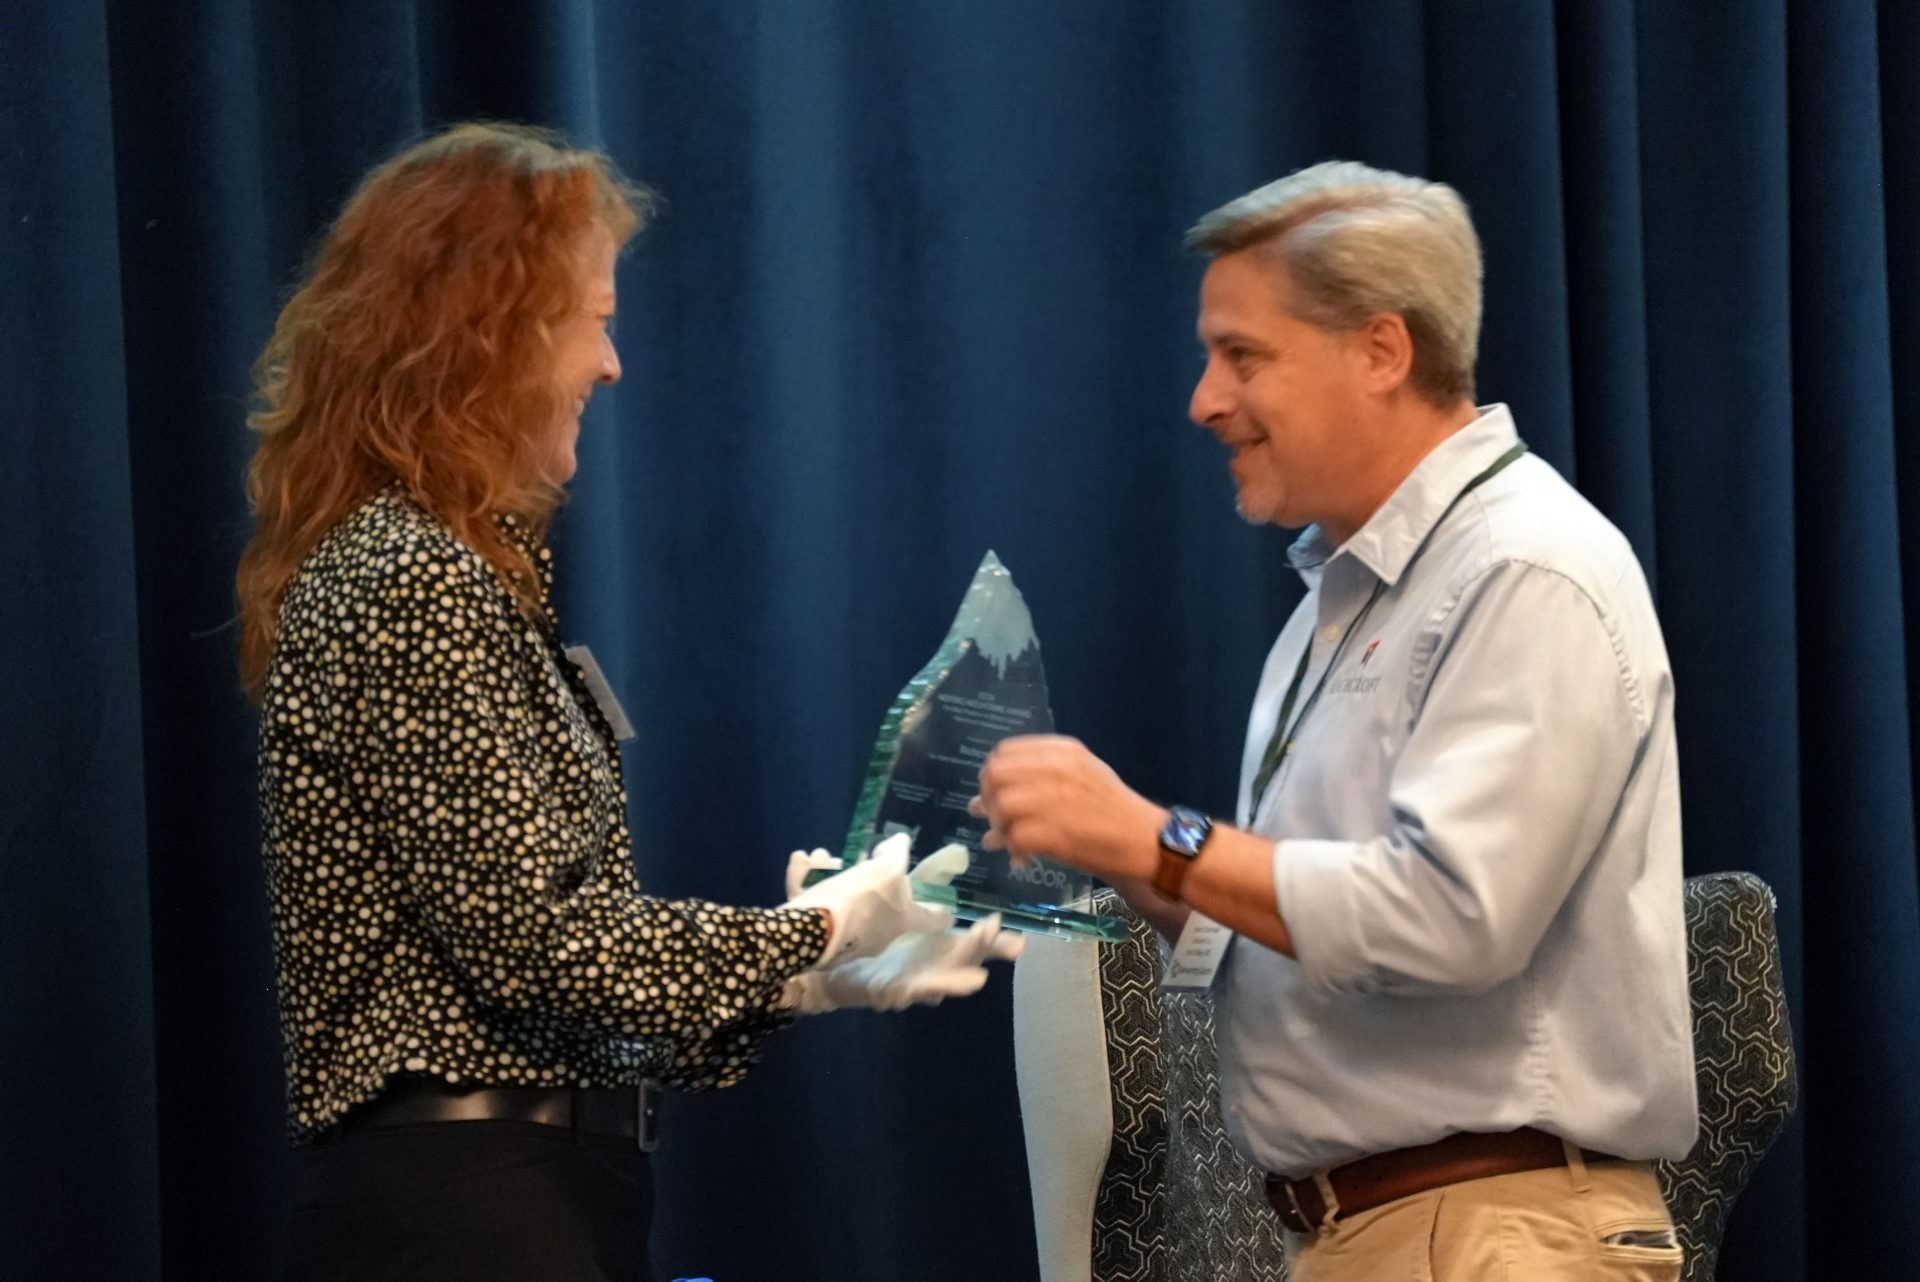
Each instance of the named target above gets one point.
<point>1392,535</point>
<point>518,531</point>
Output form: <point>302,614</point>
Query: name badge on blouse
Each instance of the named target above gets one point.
<point>602,692</point>
<point>1197,955</point>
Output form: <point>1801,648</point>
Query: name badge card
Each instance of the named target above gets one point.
<point>602,692</point>
<point>1197,955</point>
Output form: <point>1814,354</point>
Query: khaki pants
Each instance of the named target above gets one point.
<point>1536,1226</point>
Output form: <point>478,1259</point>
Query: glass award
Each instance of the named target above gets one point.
<point>984,684</point>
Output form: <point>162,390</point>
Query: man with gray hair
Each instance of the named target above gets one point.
<point>1446,928</point>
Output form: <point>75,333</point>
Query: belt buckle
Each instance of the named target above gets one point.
<point>646,1132</point>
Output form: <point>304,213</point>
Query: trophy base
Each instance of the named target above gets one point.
<point>1062,921</point>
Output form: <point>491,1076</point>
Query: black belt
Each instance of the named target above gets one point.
<point>628,1112</point>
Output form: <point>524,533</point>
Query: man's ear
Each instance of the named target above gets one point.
<point>1386,348</point>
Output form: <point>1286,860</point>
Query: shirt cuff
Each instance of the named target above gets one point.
<point>1313,882</point>
<point>816,938</point>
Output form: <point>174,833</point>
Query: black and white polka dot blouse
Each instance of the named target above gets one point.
<point>447,853</point>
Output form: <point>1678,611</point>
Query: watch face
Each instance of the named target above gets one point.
<point>1185,831</point>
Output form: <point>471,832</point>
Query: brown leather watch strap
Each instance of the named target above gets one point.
<point>1171,873</point>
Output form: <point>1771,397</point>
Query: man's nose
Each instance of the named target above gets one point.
<point>1209,403</point>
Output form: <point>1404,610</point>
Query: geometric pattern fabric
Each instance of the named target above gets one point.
<point>1743,1057</point>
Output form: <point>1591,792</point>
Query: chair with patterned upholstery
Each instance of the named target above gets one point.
<point>1743,1057</point>
<point>1134,1180</point>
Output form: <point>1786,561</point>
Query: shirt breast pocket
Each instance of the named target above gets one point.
<point>1347,736</point>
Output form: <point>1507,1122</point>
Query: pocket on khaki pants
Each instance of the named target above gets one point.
<point>1631,1251</point>
<point>1633,1233</point>
<point>1539,1226</point>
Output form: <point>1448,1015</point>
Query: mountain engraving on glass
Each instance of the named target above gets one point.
<point>984,684</point>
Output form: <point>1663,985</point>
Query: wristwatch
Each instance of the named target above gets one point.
<point>1185,832</point>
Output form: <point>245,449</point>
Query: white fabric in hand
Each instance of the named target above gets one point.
<point>937,869</point>
<point>871,902</point>
<point>920,969</point>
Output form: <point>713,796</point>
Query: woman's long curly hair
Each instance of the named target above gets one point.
<point>419,349</point>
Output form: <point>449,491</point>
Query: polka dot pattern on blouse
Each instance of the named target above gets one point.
<point>448,860</point>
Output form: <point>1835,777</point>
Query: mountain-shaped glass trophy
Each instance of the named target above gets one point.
<point>984,684</point>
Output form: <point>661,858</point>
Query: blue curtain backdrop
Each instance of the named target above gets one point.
<point>917,293</point>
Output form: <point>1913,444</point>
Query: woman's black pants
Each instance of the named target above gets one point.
<point>471,1201</point>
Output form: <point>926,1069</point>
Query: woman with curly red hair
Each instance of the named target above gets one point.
<point>476,1000</point>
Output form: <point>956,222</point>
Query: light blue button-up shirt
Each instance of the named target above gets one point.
<point>1477,837</point>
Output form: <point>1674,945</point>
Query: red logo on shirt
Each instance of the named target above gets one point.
<point>1375,645</point>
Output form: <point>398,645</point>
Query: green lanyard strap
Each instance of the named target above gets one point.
<point>1280,746</point>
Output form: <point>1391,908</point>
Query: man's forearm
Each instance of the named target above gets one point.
<point>1231,882</point>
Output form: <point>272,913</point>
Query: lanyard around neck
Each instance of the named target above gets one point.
<point>1286,728</point>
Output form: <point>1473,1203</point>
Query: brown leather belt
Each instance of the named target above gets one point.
<point>1385,1177</point>
<point>629,1112</point>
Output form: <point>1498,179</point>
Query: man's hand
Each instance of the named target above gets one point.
<point>1048,795</point>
